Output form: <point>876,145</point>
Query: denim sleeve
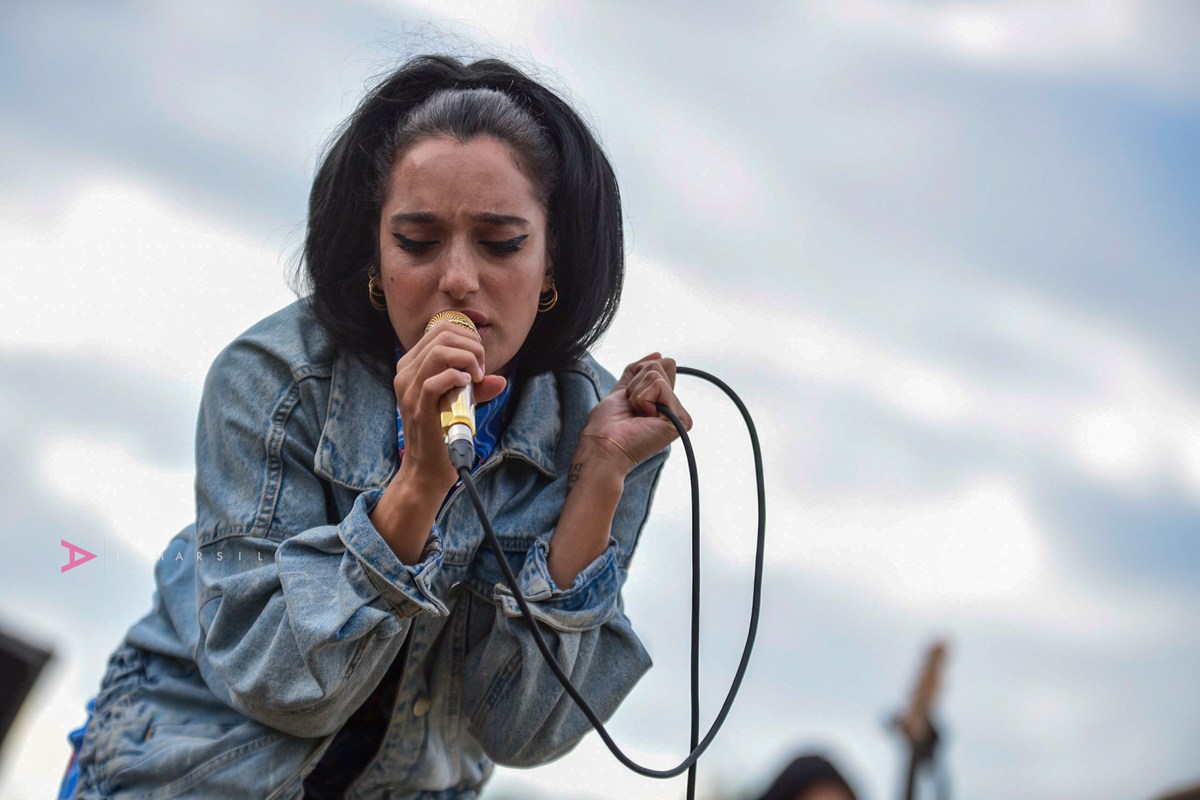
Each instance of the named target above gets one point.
<point>298,618</point>
<point>520,713</point>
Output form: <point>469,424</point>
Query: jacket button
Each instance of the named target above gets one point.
<point>421,706</point>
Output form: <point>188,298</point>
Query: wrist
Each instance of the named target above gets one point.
<point>404,514</point>
<point>595,485</point>
<point>424,481</point>
<point>603,454</point>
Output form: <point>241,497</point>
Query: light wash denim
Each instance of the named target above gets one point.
<point>271,625</point>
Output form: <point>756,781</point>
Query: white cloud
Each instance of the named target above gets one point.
<point>1016,31</point>
<point>707,173</point>
<point>125,273</point>
<point>458,22</point>
<point>1090,394</point>
<point>1130,38</point>
<point>140,505</point>
<point>1110,405</point>
<point>974,550</point>
<point>978,542</point>
<point>976,553</point>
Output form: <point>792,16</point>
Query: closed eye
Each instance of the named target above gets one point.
<point>414,245</point>
<point>507,246</point>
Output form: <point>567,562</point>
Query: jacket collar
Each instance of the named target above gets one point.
<point>357,448</point>
<point>534,429</point>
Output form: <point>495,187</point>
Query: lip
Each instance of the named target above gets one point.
<point>478,317</point>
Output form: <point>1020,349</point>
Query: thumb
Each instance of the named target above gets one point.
<point>489,388</point>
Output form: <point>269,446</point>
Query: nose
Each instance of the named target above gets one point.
<point>460,274</point>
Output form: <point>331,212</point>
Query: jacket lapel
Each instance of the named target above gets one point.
<point>357,448</point>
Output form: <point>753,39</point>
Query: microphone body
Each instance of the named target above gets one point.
<point>458,406</point>
<point>458,414</point>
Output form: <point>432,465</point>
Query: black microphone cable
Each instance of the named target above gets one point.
<point>698,747</point>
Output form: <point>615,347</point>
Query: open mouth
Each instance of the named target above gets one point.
<point>478,317</point>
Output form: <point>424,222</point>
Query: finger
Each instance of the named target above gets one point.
<point>445,331</point>
<point>428,397</point>
<point>669,366</point>
<point>445,334</point>
<point>647,387</point>
<point>683,415</point>
<point>654,389</point>
<point>634,368</point>
<point>489,388</point>
<point>450,354</point>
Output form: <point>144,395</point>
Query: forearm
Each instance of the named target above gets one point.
<point>594,488</point>
<point>405,513</point>
<point>291,639</point>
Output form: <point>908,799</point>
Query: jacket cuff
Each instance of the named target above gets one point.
<point>589,602</point>
<point>408,588</point>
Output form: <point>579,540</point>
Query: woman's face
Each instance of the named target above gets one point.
<point>461,229</point>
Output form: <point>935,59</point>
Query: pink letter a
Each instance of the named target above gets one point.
<point>78,555</point>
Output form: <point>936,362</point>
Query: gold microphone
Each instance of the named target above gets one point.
<point>458,406</point>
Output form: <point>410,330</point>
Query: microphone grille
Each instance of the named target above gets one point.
<point>456,317</point>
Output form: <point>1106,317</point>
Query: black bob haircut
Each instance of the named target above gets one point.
<point>583,211</point>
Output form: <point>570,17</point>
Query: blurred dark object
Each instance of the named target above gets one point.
<point>915,723</point>
<point>1192,793</point>
<point>809,777</point>
<point>20,665</point>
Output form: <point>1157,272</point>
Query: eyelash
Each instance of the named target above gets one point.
<point>506,247</point>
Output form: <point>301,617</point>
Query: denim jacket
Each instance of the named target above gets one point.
<point>279,611</point>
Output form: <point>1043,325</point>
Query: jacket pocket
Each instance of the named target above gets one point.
<point>114,733</point>
<point>193,760</point>
<point>126,671</point>
<point>169,737</point>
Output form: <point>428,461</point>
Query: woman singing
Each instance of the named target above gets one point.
<point>332,625</point>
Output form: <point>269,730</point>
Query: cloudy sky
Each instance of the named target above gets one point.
<point>947,250</point>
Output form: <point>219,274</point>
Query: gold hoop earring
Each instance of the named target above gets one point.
<point>375,294</point>
<point>548,299</point>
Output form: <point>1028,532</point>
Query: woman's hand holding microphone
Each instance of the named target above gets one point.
<point>621,431</point>
<point>447,357</point>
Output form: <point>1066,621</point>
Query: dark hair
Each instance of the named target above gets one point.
<point>464,114</point>
<point>803,774</point>
<point>565,164</point>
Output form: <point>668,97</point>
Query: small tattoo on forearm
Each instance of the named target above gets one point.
<point>573,475</point>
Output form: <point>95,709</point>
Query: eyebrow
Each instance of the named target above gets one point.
<point>427,218</point>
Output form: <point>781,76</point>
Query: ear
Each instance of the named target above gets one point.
<point>547,280</point>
